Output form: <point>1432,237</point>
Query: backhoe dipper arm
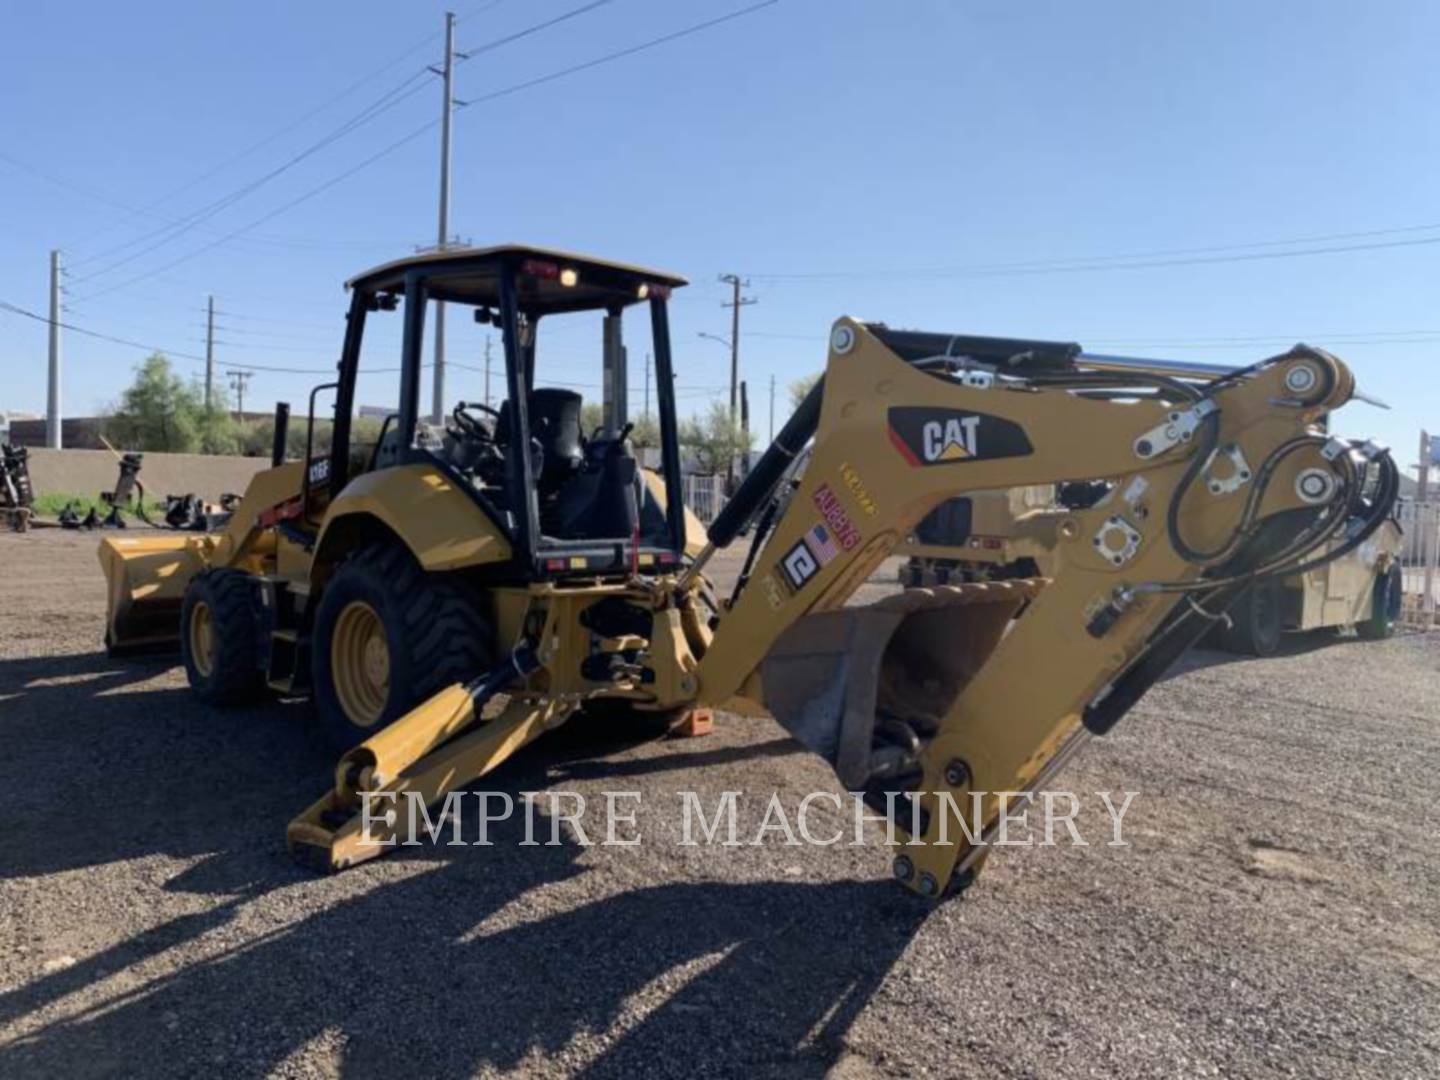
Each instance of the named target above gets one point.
<point>936,694</point>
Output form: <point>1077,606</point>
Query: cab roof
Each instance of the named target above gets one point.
<point>471,275</point>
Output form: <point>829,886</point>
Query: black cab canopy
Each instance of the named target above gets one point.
<point>547,280</point>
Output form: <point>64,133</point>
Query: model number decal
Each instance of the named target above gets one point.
<point>835,516</point>
<point>857,488</point>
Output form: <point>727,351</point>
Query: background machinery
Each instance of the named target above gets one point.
<point>17,495</point>
<point>457,595</point>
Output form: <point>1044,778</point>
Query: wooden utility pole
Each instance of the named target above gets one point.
<point>745,428</point>
<point>487,371</point>
<point>772,408</point>
<point>735,304</point>
<point>238,381</point>
<point>1422,488</point>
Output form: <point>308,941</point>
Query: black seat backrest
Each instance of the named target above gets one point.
<point>555,427</point>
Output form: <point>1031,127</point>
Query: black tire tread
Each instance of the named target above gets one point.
<point>236,676</point>
<point>443,629</point>
<point>1241,636</point>
<point>1379,625</point>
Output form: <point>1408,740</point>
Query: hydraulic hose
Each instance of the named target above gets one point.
<point>767,472</point>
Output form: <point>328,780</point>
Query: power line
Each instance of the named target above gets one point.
<point>136,211</point>
<point>167,234</point>
<point>183,355</point>
<point>466,54</point>
<point>427,127</point>
<point>307,116</point>
<point>404,90</point>
<point>1139,261</point>
<point>391,148</point>
<point>621,53</point>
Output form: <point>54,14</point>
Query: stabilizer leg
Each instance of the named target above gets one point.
<point>337,831</point>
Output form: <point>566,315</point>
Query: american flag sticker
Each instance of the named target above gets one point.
<point>822,543</point>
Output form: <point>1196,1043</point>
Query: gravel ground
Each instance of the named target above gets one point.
<point>1277,912</point>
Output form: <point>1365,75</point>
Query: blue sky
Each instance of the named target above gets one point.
<point>965,166</point>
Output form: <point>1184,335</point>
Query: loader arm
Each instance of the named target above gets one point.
<point>937,694</point>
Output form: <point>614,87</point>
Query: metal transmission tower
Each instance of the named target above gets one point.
<point>447,110</point>
<point>735,304</point>
<point>52,403</point>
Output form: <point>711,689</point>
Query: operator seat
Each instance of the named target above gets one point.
<point>556,440</point>
<point>605,499</point>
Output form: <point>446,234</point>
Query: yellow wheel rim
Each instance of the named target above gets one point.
<point>360,663</point>
<point>202,638</point>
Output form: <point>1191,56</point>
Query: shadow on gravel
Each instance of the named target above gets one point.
<point>98,767</point>
<point>763,978</point>
<point>755,977</point>
<point>1291,644</point>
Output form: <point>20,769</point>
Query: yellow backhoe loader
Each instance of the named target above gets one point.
<point>451,597</point>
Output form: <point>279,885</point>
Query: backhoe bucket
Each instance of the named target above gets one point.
<point>863,686</point>
<point>145,579</point>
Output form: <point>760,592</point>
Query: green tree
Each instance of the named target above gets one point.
<point>162,412</point>
<point>800,388</point>
<point>715,440</point>
<point>646,431</point>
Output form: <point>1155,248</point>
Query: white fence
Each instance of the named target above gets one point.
<point>1420,563</point>
<point>705,496</point>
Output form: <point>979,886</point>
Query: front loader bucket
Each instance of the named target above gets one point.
<point>860,686</point>
<point>145,580</point>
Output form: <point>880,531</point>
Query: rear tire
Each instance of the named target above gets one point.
<point>1257,621</point>
<point>387,637</point>
<point>1384,607</point>
<point>219,628</point>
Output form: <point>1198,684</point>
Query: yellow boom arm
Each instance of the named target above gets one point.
<point>931,696</point>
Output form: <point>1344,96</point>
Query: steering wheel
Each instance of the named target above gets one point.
<point>469,425</point>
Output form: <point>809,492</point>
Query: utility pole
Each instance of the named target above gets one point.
<point>53,437</point>
<point>209,350</point>
<point>772,408</point>
<point>745,428</point>
<point>1422,489</point>
<point>447,109</point>
<point>647,386</point>
<point>736,284</point>
<point>238,381</point>
<point>487,371</point>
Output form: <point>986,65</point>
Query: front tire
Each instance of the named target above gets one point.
<point>219,627</point>
<point>1385,603</point>
<point>387,637</point>
<point>1257,620</point>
